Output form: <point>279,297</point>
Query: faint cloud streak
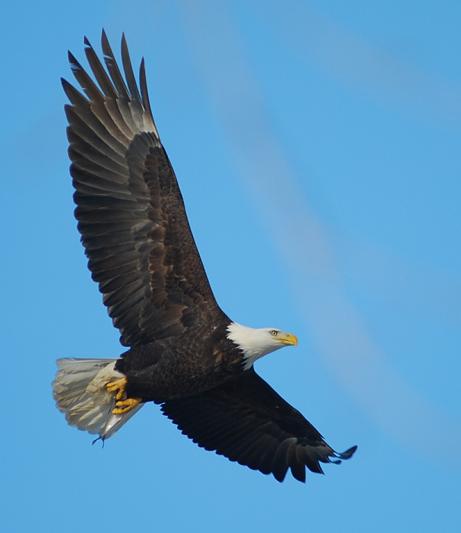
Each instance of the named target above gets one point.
<point>316,39</point>
<point>303,242</point>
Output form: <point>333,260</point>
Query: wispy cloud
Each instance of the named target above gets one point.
<point>316,39</point>
<point>302,240</point>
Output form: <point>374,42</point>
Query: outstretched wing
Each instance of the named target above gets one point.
<point>130,211</point>
<point>248,422</point>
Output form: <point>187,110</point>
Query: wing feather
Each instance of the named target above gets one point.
<point>99,72</point>
<point>130,211</point>
<point>129,74</point>
<point>247,421</point>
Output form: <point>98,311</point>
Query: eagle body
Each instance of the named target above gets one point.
<point>195,362</point>
<point>183,352</point>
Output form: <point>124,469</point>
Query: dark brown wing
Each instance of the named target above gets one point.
<point>129,207</point>
<point>248,422</point>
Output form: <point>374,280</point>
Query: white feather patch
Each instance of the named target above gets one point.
<point>80,393</point>
<point>254,342</point>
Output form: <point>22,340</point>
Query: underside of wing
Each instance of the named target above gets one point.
<point>247,421</point>
<point>130,212</point>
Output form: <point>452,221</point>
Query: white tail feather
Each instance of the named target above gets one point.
<point>80,393</point>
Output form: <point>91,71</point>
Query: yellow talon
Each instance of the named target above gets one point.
<point>122,403</point>
<point>124,406</point>
<point>117,386</point>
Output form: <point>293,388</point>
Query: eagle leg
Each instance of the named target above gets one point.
<point>123,406</point>
<point>117,387</point>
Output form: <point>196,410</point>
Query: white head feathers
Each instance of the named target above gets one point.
<point>257,342</point>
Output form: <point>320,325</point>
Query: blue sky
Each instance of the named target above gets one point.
<point>318,149</point>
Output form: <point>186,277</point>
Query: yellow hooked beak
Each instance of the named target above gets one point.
<point>287,339</point>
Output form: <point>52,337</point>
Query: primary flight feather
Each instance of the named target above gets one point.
<point>183,352</point>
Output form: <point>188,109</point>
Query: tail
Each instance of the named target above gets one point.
<point>80,393</point>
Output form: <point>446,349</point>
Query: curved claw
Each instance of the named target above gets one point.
<point>124,406</point>
<point>117,387</point>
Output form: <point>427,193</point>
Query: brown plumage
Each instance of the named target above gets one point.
<point>130,209</point>
<point>142,254</point>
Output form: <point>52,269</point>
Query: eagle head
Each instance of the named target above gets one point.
<point>257,342</point>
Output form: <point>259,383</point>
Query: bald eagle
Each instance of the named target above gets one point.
<point>183,352</point>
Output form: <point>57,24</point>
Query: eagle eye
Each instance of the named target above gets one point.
<point>274,332</point>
